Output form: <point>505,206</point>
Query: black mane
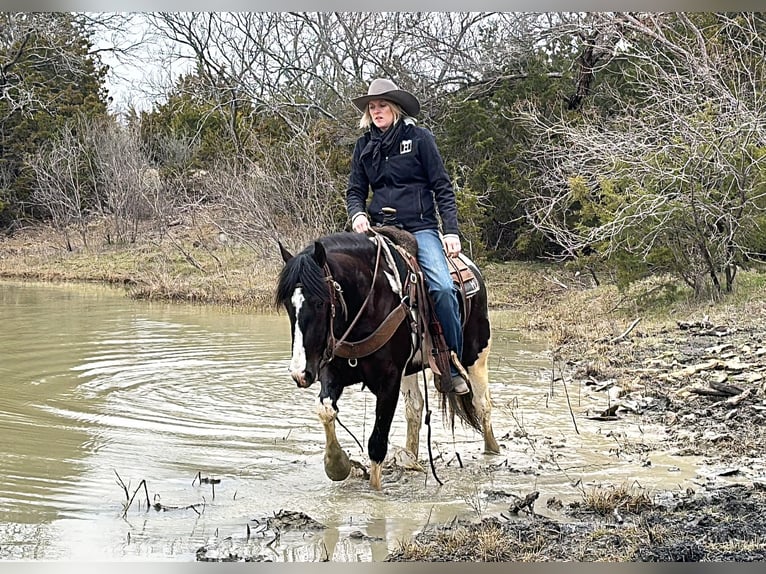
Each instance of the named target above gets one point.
<point>304,270</point>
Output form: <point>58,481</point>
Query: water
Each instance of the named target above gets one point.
<point>102,395</point>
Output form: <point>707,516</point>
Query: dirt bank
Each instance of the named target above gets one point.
<point>704,381</point>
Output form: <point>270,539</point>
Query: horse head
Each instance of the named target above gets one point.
<point>303,291</point>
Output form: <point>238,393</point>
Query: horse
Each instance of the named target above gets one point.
<point>352,283</point>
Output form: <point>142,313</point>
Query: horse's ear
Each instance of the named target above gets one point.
<point>286,255</point>
<point>319,254</point>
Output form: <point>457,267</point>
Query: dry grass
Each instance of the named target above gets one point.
<point>487,541</point>
<point>196,267</point>
<point>621,499</point>
<point>544,300</point>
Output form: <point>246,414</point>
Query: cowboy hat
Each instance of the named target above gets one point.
<point>382,89</point>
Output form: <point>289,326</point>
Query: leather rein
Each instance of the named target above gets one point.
<point>353,350</point>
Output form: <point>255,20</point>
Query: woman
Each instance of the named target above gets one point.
<point>400,162</point>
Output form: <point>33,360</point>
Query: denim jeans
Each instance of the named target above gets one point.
<point>433,262</point>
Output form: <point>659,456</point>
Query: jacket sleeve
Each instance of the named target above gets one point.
<point>440,182</point>
<point>358,183</point>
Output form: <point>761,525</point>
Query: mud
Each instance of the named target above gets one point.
<point>705,382</point>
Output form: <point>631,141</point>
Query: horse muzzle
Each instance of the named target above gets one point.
<point>303,379</point>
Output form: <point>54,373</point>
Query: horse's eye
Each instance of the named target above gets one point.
<point>319,305</point>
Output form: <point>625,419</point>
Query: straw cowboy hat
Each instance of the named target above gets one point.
<point>382,89</point>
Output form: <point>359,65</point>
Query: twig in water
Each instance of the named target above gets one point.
<point>146,492</point>
<point>571,413</point>
<point>524,432</point>
<point>276,538</point>
<point>428,518</point>
<point>211,481</point>
<point>122,484</point>
<point>553,372</point>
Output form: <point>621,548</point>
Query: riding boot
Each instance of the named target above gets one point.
<point>449,378</point>
<point>440,357</point>
<point>459,376</point>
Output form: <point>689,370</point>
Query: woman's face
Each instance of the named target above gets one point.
<point>381,113</point>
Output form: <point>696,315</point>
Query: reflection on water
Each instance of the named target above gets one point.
<point>99,389</point>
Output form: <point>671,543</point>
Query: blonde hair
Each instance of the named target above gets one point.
<point>366,120</point>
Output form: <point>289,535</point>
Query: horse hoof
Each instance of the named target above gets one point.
<point>337,467</point>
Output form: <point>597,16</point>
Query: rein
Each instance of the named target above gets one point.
<point>353,350</point>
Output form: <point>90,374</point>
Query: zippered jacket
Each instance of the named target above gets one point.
<point>410,177</point>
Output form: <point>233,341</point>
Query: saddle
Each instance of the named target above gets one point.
<point>463,276</point>
<point>433,343</point>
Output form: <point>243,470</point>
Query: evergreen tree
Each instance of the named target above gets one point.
<point>48,76</point>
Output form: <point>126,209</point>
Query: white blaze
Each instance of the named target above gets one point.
<point>298,361</point>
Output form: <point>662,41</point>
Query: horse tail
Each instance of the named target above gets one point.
<point>461,406</point>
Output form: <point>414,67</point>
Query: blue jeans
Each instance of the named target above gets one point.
<point>433,262</point>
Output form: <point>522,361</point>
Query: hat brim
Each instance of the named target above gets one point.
<point>406,101</point>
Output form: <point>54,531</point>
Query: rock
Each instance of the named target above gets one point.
<point>718,349</point>
<point>736,366</point>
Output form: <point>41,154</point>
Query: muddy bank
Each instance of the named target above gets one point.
<point>725,524</point>
<point>704,381</point>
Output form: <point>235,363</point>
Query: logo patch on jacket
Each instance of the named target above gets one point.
<point>405,146</point>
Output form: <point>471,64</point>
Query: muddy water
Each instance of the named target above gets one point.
<point>102,395</point>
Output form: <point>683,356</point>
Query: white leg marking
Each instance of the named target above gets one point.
<point>376,471</point>
<point>413,409</point>
<point>479,375</point>
<point>337,465</point>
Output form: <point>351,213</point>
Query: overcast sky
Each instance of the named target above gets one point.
<point>144,77</point>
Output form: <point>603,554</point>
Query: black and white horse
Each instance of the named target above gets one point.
<point>351,322</point>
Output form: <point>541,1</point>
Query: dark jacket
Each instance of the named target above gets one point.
<point>411,178</point>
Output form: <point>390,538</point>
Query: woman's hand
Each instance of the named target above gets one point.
<point>452,244</point>
<point>360,223</point>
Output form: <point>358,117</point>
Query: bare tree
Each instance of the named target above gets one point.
<point>673,173</point>
<point>291,196</point>
<point>136,75</point>
<point>296,64</point>
<point>129,188</point>
<point>62,186</point>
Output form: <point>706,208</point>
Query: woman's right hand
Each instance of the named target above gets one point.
<point>360,223</point>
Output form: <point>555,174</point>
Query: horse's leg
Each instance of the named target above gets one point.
<point>413,411</point>
<point>377,446</point>
<point>482,402</point>
<point>337,465</point>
